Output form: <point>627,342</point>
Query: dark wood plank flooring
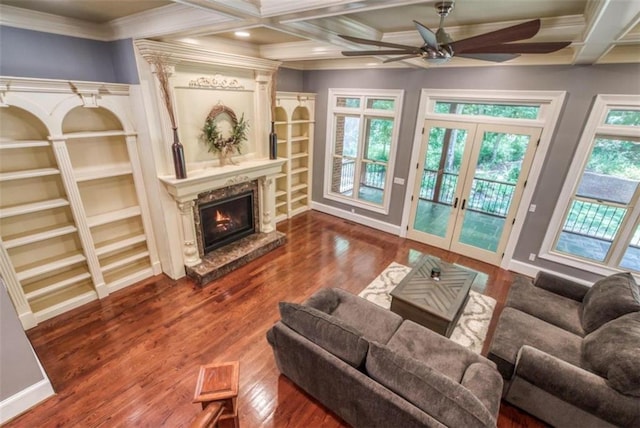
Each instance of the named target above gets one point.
<point>132,359</point>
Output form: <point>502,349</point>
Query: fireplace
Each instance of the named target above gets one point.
<point>226,220</point>
<point>226,215</point>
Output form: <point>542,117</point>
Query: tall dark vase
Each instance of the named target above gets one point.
<point>178,156</point>
<point>273,142</point>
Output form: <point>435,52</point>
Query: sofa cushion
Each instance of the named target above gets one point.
<point>608,299</point>
<point>326,331</point>
<point>370,320</point>
<point>544,304</point>
<point>612,351</point>
<point>443,354</point>
<point>436,394</point>
<point>516,329</point>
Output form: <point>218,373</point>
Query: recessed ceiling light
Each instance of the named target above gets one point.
<point>242,33</point>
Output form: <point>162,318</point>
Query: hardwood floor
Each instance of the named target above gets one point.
<point>132,359</point>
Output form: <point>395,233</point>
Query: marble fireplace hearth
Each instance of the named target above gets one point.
<point>223,260</point>
<point>205,268</point>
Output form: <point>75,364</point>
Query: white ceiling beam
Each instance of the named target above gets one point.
<point>166,21</point>
<point>237,8</point>
<point>297,10</point>
<point>605,21</point>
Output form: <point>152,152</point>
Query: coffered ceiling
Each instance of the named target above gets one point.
<point>304,33</point>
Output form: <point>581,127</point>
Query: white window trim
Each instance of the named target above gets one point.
<point>333,94</point>
<point>594,126</point>
<point>550,102</point>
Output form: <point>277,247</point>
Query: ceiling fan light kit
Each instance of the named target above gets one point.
<point>439,47</point>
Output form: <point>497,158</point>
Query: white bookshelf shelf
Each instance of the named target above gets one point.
<point>299,170</point>
<point>102,250</point>
<point>39,236</point>
<point>86,174</point>
<point>22,144</point>
<point>125,261</point>
<point>58,286</point>
<point>95,134</point>
<point>33,207</point>
<point>50,266</point>
<point>113,216</point>
<point>30,173</point>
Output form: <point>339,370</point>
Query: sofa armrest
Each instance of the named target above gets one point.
<point>485,382</point>
<point>561,286</point>
<point>576,386</point>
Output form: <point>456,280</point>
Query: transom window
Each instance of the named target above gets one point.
<point>509,111</point>
<point>363,129</point>
<point>597,217</point>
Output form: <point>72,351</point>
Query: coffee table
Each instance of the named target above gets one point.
<point>436,305</point>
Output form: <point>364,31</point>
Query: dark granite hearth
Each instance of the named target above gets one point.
<point>223,260</point>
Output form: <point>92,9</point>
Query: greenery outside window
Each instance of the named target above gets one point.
<point>363,127</point>
<point>596,222</point>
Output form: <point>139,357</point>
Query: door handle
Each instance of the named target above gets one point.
<point>455,203</point>
<point>463,202</point>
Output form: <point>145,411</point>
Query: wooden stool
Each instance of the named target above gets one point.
<point>218,383</point>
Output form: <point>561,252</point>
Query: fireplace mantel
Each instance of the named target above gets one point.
<point>219,176</point>
<point>185,192</point>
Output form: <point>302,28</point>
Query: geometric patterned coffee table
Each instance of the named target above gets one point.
<point>436,305</point>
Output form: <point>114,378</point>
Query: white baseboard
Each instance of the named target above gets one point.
<point>531,271</point>
<point>25,399</point>
<point>357,218</point>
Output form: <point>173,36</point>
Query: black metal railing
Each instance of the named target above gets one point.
<point>374,175</point>
<point>487,196</point>
<point>595,220</point>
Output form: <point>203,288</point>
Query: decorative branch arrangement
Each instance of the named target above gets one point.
<point>274,89</point>
<point>160,63</point>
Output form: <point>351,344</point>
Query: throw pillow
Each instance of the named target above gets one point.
<point>434,393</point>
<point>608,299</point>
<point>612,351</point>
<point>326,331</point>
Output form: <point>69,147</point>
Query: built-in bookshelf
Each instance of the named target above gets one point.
<point>294,122</point>
<point>74,225</point>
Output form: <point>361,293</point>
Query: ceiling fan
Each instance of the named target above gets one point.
<point>439,47</point>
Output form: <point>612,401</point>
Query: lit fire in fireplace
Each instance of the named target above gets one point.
<point>223,221</point>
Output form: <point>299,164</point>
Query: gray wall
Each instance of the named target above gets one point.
<point>19,368</point>
<point>582,84</point>
<point>26,53</point>
<point>290,80</point>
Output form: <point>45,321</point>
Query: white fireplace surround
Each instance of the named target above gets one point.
<point>200,78</point>
<point>185,192</point>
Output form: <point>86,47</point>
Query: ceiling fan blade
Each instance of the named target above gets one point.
<point>412,52</point>
<point>493,57</point>
<point>521,48</point>
<point>376,42</point>
<point>514,33</point>
<point>427,35</point>
<point>400,58</point>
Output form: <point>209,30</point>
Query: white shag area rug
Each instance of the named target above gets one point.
<point>473,324</point>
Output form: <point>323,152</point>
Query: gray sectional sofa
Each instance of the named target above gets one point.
<point>373,369</point>
<point>570,354</point>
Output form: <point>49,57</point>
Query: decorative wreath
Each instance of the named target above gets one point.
<point>214,139</point>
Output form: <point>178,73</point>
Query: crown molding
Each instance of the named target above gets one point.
<point>48,23</point>
<point>182,53</point>
<point>167,20</point>
<point>24,84</point>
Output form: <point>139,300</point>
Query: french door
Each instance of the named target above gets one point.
<point>470,181</point>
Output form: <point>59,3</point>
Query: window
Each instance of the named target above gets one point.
<point>597,217</point>
<point>362,127</point>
